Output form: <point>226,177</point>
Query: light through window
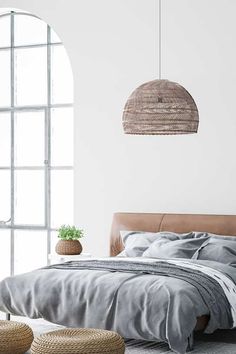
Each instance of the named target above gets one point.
<point>36,141</point>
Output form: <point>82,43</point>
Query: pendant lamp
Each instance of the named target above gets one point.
<point>160,107</point>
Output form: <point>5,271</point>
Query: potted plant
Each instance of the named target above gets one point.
<point>69,243</point>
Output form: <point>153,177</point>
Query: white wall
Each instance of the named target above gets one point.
<point>112,45</point>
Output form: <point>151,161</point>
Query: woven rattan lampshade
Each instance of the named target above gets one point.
<point>160,107</point>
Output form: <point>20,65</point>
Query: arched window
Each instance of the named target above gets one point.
<point>36,141</point>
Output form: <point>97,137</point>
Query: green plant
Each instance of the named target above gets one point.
<point>67,232</point>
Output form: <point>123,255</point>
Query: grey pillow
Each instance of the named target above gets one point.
<point>219,250</point>
<point>221,237</point>
<point>182,248</point>
<point>137,242</point>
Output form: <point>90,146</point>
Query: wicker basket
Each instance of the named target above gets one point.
<point>78,341</point>
<point>15,337</point>
<point>69,247</point>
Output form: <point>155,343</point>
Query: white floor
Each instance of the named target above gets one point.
<point>38,326</point>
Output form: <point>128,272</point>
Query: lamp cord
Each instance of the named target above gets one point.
<point>160,43</point>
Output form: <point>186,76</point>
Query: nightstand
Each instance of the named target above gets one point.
<point>55,258</point>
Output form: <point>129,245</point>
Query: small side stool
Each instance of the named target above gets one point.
<point>78,341</point>
<point>15,337</point>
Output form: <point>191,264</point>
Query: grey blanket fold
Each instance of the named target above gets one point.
<point>140,300</point>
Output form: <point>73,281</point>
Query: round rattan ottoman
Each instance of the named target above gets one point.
<point>78,341</point>
<point>15,337</point>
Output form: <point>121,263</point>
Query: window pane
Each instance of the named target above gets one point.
<point>5,36</point>
<point>5,78</point>
<point>5,253</point>
<point>29,30</point>
<point>5,139</point>
<point>62,81</point>
<point>29,138</point>
<point>31,76</point>
<point>30,250</point>
<point>5,195</point>
<point>29,197</point>
<point>54,240</point>
<point>62,197</point>
<point>62,136</point>
<point>54,37</point>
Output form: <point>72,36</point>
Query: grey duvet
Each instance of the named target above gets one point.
<point>139,298</point>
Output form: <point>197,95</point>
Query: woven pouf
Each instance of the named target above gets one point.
<point>15,337</point>
<point>78,341</point>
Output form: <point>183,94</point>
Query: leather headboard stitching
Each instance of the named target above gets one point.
<point>162,219</point>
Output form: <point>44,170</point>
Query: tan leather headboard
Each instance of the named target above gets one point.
<point>218,224</point>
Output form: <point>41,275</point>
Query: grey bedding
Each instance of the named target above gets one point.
<point>137,242</point>
<point>148,300</point>
<point>219,250</point>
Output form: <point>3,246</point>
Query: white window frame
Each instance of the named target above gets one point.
<point>47,168</point>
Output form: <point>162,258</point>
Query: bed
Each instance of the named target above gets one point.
<point>155,222</point>
<point>140,298</point>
